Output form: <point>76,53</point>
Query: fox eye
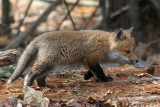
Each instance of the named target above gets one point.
<point>127,51</point>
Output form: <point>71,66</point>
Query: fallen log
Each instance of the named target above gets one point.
<point>8,57</point>
<point>142,80</point>
<point>139,98</point>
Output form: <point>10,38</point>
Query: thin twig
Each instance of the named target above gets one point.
<point>69,15</point>
<point>96,26</point>
<point>151,43</point>
<point>88,19</point>
<point>26,12</point>
<point>118,12</point>
<point>65,17</point>
<point>112,15</point>
<point>78,75</point>
<point>155,3</point>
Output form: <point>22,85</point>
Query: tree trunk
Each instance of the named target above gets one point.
<point>5,16</point>
<point>105,6</point>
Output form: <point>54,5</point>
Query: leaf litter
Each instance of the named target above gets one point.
<point>73,90</point>
<point>70,88</point>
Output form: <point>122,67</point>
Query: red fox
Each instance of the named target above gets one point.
<point>87,47</point>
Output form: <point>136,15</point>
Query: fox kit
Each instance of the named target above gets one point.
<point>68,47</point>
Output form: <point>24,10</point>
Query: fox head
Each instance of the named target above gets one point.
<point>122,47</point>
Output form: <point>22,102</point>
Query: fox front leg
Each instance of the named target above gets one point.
<point>98,72</point>
<point>88,75</point>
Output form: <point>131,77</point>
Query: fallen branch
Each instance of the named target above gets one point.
<point>8,57</point>
<point>141,80</point>
<point>140,75</point>
<point>139,98</point>
<point>22,36</point>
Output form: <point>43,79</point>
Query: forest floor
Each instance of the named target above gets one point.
<point>129,88</point>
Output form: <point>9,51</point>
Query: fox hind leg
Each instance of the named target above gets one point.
<point>45,69</point>
<point>39,72</point>
<point>29,78</point>
<point>42,83</point>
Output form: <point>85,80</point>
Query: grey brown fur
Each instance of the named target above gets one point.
<point>63,48</point>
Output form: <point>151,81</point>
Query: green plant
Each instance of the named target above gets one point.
<point>9,69</point>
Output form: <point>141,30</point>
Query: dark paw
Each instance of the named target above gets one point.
<point>45,85</point>
<point>88,75</point>
<point>49,86</point>
<point>107,79</point>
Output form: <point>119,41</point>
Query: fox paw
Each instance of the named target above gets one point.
<point>107,79</point>
<point>46,85</point>
<point>49,86</point>
<point>88,75</point>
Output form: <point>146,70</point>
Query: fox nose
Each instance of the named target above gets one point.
<point>134,61</point>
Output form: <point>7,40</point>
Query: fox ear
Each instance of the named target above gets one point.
<point>130,30</point>
<point>119,35</point>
